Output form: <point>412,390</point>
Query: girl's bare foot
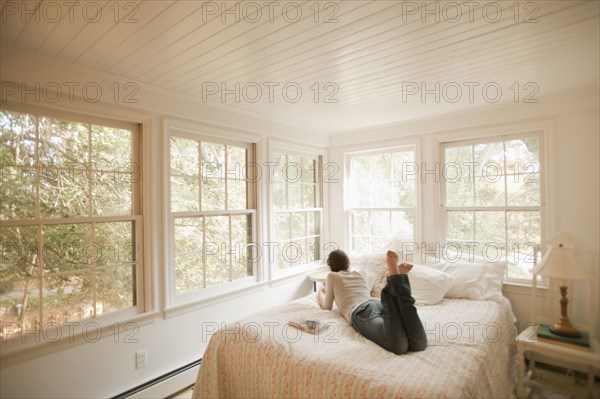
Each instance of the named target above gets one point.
<point>404,268</point>
<point>392,261</point>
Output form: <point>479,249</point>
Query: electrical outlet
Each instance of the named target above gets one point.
<point>141,358</point>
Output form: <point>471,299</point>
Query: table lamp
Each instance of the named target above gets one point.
<point>560,262</point>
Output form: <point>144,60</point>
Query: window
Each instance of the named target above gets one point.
<point>211,212</point>
<point>380,198</point>
<point>297,209</point>
<point>70,212</point>
<point>493,199</point>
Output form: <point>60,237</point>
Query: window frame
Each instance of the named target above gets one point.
<point>538,133</point>
<point>176,303</point>
<point>348,155</point>
<point>300,151</point>
<point>117,320</point>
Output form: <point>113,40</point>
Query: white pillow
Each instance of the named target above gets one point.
<point>479,281</point>
<point>428,285</point>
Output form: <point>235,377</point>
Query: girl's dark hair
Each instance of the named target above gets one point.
<point>338,260</point>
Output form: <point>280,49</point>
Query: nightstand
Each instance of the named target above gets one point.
<point>580,358</point>
<point>318,277</point>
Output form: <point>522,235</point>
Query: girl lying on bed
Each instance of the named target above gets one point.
<point>392,322</point>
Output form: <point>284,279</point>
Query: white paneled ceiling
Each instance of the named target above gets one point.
<point>327,65</point>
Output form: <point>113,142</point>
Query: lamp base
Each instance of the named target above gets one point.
<point>565,329</point>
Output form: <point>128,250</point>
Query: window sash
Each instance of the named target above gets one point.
<point>506,208</point>
<point>350,210</point>
<point>91,220</point>
<point>280,265</point>
<point>207,290</point>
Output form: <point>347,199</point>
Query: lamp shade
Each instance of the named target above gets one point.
<point>561,262</point>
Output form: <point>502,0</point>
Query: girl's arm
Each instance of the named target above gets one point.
<point>325,294</point>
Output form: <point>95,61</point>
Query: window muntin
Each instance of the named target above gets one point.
<point>297,208</point>
<point>70,224</point>
<point>212,215</point>
<point>493,203</point>
<point>380,198</point>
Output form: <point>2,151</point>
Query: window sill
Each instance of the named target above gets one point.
<point>35,344</point>
<point>298,272</point>
<point>222,296</point>
<point>520,288</point>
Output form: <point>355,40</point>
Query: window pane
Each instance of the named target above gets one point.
<point>381,167</point>
<point>524,190</point>
<point>17,192</point>
<point>380,224</point>
<point>64,192</point>
<point>68,296</point>
<point>279,196</point>
<point>21,301</point>
<point>216,248</point>
<point>314,252</point>
<point>360,168</point>
<point>295,196</point>
<point>115,243</point>
<point>283,226</point>
<point>460,158</point>
<point>19,253</point>
<point>360,223</point>
<point>309,170</point>
<point>314,223</point>
<point>184,157</point>
<point>522,156</point>
<point>236,194</point>
<point>524,228</point>
<point>189,272</point>
<point>489,191</point>
<point>459,226</point>
<point>115,289</point>
<point>404,167</point>
<point>403,225</point>
<point>489,159</point>
<point>111,148</point>
<point>67,247</point>
<point>112,194</point>
<point>310,196</point>
<point>188,235</point>
<point>490,227</point>
<point>213,160</point>
<point>298,224</point>
<point>241,239</point>
<point>236,163</point>
<point>381,193</point>
<point>184,194</point>
<point>292,170</point>
<point>404,193</point>
<point>460,192</point>
<point>17,138</point>
<point>278,167</point>
<point>213,194</point>
<point>63,143</point>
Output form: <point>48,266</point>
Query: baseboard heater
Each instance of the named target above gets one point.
<point>166,384</point>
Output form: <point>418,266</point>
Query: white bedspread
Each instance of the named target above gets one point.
<point>470,355</point>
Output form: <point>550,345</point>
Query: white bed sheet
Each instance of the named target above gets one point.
<point>470,354</point>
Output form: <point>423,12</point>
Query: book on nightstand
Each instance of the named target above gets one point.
<point>582,343</point>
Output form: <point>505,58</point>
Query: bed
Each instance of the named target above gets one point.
<point>470,354</point>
